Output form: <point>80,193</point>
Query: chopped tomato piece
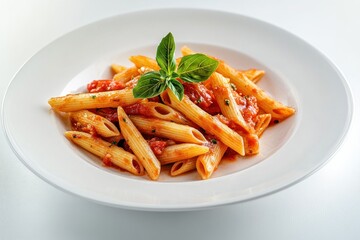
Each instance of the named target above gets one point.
<point>157,145</point>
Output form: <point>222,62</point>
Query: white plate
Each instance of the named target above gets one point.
<point>297,75</point>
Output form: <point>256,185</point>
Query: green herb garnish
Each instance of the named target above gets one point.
<point>193,68</point>
<point>213,141</point>
<point>227,102</point>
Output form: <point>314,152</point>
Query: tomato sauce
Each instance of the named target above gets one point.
<point>108,113</point>
<point>154,99</point>
<point>157,145</point>
<point>137,109</point>
<point>88,128</point>
<point>229,123</point>
<point>107,160</point>
<point>104,85</point>
<point>202,96</point>
<point>248,107</point>
<point>211,141</point>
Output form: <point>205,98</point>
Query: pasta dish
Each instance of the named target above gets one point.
<point>187,112</point>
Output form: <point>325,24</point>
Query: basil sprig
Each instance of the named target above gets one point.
<point>193,68</point>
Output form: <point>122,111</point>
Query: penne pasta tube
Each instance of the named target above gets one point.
<point>102,126</point>
<point>183,166</point>
<point>126,75</point>
<point>206,121</point>
<point>247,87</point>
<point>170,130</point>
<point>139,145</point>
<point>143,61</point>
<point>251,144</point>
<point>106,150</point>
<point>178,60</point>
<point>253,74</point>
<point>262,123</point>
<point>227,102</point>
<point>81,101</point>
<point>181,151</point>
<point>230,110</point>
<point>207,163</point>
<point>165,112</point>
<point>158,110</point>
<point>117,68</point>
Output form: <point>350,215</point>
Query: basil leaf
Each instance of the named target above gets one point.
<point>196,67</point>
<point>163,74</point>
<point>165,54</point>
<point>177,88</point>
<point>149,85</point>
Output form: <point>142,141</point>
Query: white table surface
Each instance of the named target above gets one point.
<point>324,206</point>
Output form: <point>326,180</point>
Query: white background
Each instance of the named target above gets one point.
<point>324,206</point>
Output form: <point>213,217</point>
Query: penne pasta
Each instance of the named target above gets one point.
<point>139,145</point>
<point>230,110</point>
<point>170,130</point>
<point>247,87</point>
<point>253,74</point>
<point>81,101</point>
<point>117,68</point>
<point>262,124</point>
<point>251,143</point>
<point>102,126</point>
<point>207,163</point>
<point>181,151</point>
<point>206,121</point>
<point>227,102</point>
<point>106,151</point>
<point>183,166</point>
<point>143,61</point>
<point>126,75</point>
<point>159,110</point>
